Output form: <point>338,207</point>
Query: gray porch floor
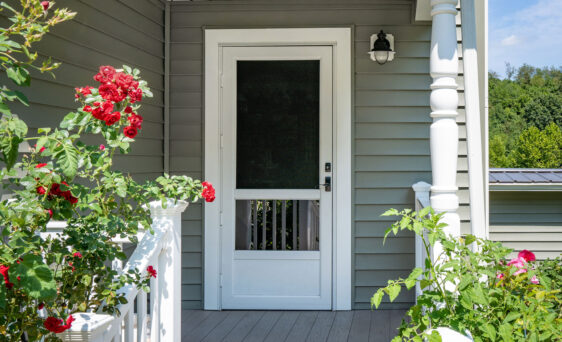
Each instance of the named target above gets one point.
<point>290,326</point>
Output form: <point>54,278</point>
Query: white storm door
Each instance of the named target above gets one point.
<point>276,157</point>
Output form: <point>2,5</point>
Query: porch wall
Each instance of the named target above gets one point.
<point>391,124</point>
<point>105,32</point>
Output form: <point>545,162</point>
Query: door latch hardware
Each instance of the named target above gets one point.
<point>328,167</point>
<point>328,185</point>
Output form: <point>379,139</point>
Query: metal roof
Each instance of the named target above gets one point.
<point>525,176</point>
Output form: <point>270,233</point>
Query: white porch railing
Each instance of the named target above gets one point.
<point>421,190</point>
<point>162,250</point>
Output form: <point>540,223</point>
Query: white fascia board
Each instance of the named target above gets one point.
<point>526,187</point>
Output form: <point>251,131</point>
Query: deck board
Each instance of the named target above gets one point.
<point>290,326</point>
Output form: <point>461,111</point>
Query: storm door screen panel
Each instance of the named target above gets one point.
<point>276,123</point>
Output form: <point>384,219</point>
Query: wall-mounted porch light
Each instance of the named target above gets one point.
<point>383,47</point>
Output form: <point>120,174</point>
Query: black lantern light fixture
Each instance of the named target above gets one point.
<point>383,47</point>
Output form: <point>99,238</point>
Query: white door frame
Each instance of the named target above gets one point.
<point>340,39</point>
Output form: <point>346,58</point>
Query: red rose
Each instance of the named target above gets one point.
<point>112,118</point>
<point>99,114</point>
<point>56,325</point>
<point>88,109</point>
<point>40,165</point>
<point>123,80</point>
<point>102,147</point>
<point>73,200</point>
<point>208,192</point>
<point>527,255</point>
<point>50,211</point>
<point>128,110</point>
<point>151,271</point>
<point>135,120</point>
<point>105,74</point>
<point>77,255</point>
<point>110,92</point>
<point>41,190</point>
<point>41,306</point>
<point>130,131</point>
<point>135,95</point>
<point>135,84</point>
<point>41,150</point>
<point>55,189</point>
<point>4,272</point>
<point>45,5</point>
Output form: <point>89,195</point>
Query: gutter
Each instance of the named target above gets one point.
<point>526,187</point>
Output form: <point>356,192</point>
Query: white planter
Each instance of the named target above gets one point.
<point>449,335</point>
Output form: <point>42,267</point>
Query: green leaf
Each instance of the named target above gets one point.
<point>413,277</point>
<point>12,95</point>
<point>68,159</point>
<point>434,337</point>
<point>2,296</point>
<point>511,316</point>
<point>376,299</point>
<point>424,212</point>
<point>19,75</point>
<point>489,331</point>
<point>36,278</point>
<point>4,109</point>
<point>393,291</point>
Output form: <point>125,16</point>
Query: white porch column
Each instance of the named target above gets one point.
<point>169,269</point>
<point>444,132</point>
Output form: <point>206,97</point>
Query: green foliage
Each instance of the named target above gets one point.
<point>539,149</point>
<point>470,286</point>
<point>528,97</point>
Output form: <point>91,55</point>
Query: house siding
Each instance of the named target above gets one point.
<point>104,32</point>
<point>390,119</point>
<point>527,220</point>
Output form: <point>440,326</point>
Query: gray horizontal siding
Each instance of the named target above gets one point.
<point>391,122</point>
<point>527,220</point>
<point>106,32</point>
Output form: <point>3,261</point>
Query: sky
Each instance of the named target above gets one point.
<point>524,31</point>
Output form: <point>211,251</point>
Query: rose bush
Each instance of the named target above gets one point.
<point>68,175</point>
<point>471,288</point>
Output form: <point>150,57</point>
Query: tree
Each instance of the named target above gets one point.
<point>539,149</point>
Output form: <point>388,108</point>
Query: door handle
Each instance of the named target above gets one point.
<point>328,184</point>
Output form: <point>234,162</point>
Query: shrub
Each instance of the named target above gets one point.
<point>471,287</point>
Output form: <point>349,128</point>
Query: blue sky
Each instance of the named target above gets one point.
<point>524,31</point>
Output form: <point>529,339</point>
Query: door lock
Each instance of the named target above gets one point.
<point>328,184</point>
<point>328,167</point>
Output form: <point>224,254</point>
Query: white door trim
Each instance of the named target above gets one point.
<point>340,39</point>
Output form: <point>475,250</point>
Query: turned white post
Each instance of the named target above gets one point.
<point>169,270</point>
<point>444,132</point>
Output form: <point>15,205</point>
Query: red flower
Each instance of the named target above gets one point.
<point>4,272</point>
<point>105,74</point>
<point>128,110</point>
<point>55,189</point>
<point>135,120</point>
<point>45,5</point>
<point>135,95</point>
<point>112,118</point>
<point>130,132</point>
<point>50,211</point>
<point>123,80</point>
<point>527,255</point>
<point>41,150</point>
<point>208,192</point>
<point>151,271</point>
<point>41,190</point>
<point>56,325</point>
<point>84,91</point>
<point>41,306</point>
<point>88,109</point>
<point>110,92</point>
<point>38,166</point>
<point>102,147</point>
<point>77,255</point>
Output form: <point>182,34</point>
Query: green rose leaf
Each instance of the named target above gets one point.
<point>36,278</point>
<point>376,299</point>
<point>393,291</point>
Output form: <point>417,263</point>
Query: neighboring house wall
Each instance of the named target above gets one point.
<point>391,124</point>
<point>105,32</point>
<point>527,220</point>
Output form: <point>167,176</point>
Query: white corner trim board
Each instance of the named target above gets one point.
<point>340,40</point>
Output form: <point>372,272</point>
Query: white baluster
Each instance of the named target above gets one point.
<point>130,325</point>
<point>444,132</point>
<point>141,317</point>
<point>154,309</point>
